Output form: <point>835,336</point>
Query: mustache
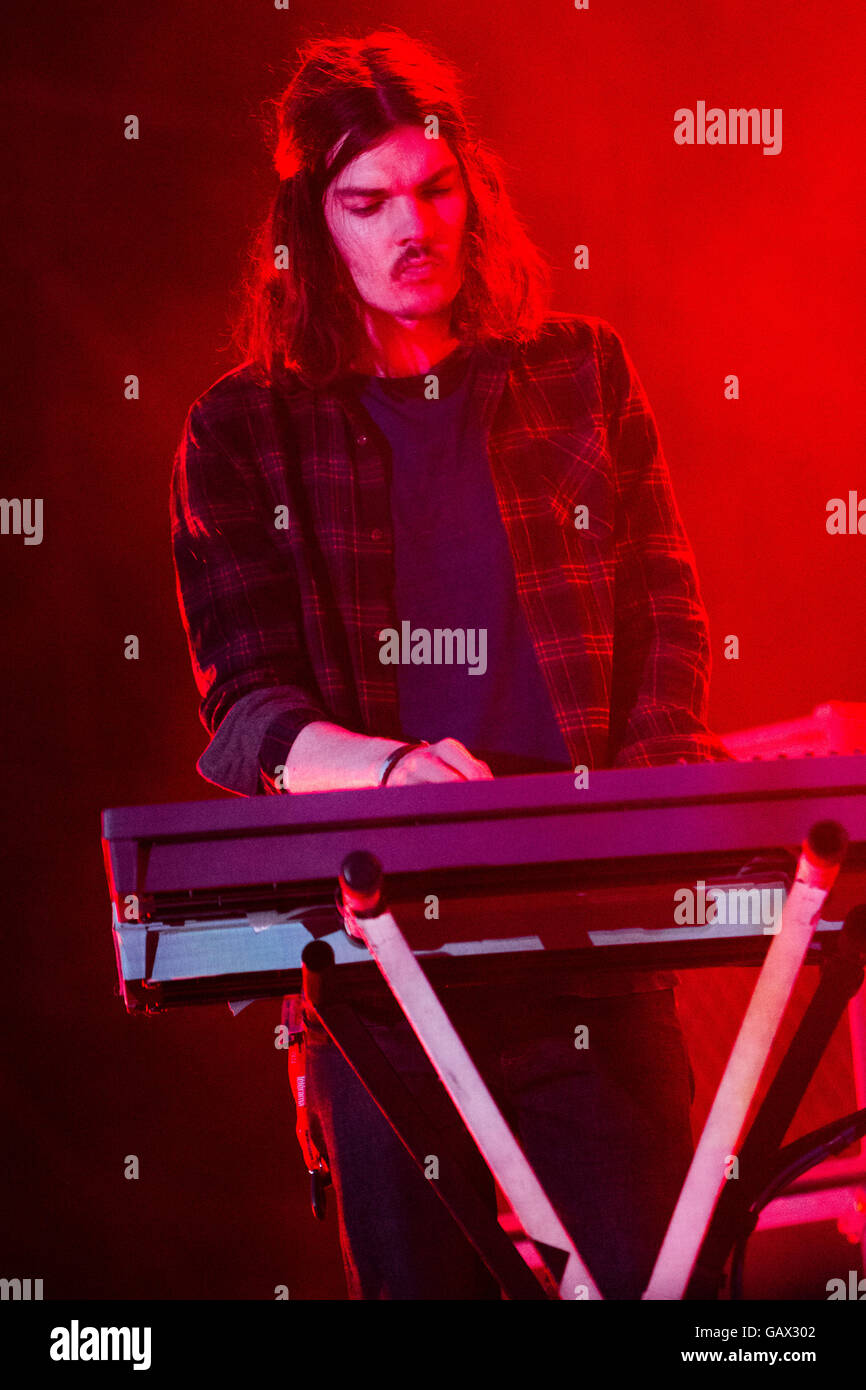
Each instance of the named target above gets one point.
<point>409,260</point>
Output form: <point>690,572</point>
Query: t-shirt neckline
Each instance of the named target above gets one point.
<point>449,370</point>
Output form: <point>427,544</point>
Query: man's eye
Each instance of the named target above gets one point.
<point>370,208</point>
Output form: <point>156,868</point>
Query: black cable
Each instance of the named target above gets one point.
<point>804,1154</point>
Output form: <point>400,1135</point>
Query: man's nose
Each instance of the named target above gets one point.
<point>413,219</point>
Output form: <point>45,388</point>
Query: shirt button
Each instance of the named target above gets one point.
<point>376,535</point>
<point>362,439</point>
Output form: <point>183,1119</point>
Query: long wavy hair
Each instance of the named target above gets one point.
<point>300,309</point>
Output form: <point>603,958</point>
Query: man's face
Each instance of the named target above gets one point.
<point>397,214</point>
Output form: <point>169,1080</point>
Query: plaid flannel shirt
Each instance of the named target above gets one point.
<point>283,552</point>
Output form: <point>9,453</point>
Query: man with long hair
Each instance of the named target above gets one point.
<point>413,439</point>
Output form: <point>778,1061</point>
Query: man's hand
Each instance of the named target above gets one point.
<point>326,757</point>
<point>445,761</point>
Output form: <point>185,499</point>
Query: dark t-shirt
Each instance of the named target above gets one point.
<point>454,572</point>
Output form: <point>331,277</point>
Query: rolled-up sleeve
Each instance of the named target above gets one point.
<point>238,599</point>
<point>662,659</point>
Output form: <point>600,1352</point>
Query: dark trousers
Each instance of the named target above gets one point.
<point>605,1127</point>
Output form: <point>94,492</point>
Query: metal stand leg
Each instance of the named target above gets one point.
<point>816,871</point>
<point>361,884</point>
<point>413,1129</point>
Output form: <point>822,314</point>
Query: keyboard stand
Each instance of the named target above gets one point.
<point>366,918</point>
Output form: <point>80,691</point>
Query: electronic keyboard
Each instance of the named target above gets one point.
<point>645,868</point>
